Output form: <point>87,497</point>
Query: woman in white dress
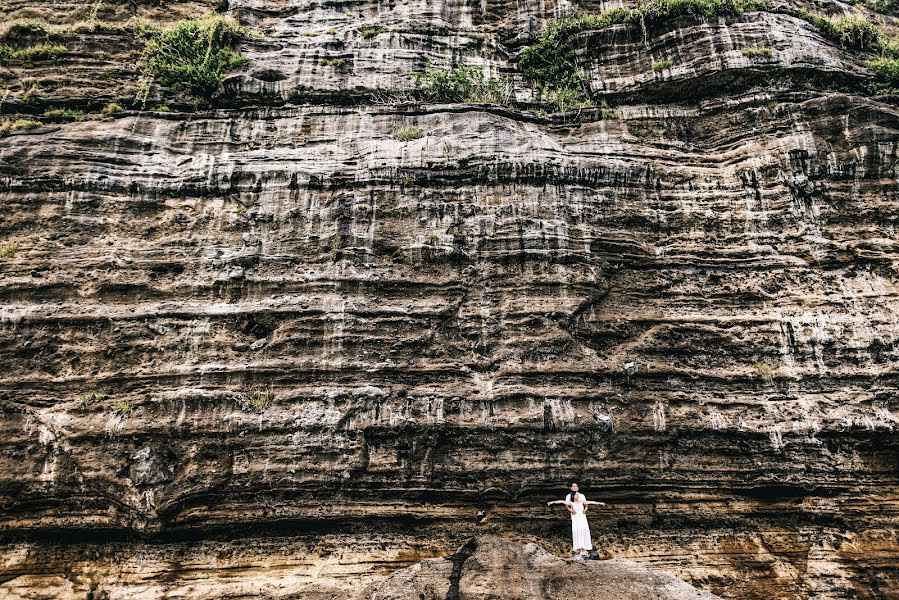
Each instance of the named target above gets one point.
<point>577,505</point>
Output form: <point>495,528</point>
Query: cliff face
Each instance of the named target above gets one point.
<point>491,568</point>
<point>292,342</point>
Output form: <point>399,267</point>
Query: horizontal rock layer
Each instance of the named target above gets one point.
<point>278,350</point>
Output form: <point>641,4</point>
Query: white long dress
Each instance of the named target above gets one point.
<point>580,530</point>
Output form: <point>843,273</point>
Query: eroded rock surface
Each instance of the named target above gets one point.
<point>271,348</point>
<point>490,567</point>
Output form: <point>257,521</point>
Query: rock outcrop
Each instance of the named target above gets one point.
<point>292,340</point>
<point>490,567</point>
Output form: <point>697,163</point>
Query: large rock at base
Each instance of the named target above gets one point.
<point>490,567</point>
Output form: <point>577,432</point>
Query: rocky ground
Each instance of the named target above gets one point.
<point>273,345</point>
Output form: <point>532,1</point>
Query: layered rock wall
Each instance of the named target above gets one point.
<point>269,347</point>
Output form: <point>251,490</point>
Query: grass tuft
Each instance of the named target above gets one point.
<point>64,114</point>
<point>112,108</point>
<point>850,31</point>
<point>11,125</point>
<point>758,52</point>
<point>407,134</point>
<point>661,65</point>
<point>256,401</point>
<point>122,408</point>
<point>43,51</point>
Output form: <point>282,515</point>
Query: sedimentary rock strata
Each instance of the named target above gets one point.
<point>266,346</point>
<point>491,567</point>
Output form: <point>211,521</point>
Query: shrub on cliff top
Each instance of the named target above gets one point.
<point>552,62</point>
<point>194,55</point>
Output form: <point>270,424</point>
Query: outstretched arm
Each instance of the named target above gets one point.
<point>592,503</point>
<point>565,502</point>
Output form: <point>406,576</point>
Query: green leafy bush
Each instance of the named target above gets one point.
<point>461,83</point>
<point>8,250</point>
<point>661,65</point>
<point>886,71</point>
<point>194,55</point>
<point>889,45</point>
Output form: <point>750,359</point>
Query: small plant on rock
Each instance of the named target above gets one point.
<point>8,250</point>
<point>407,134</point>
<point>756,52</point>
<point>89,399</point>
<point>11,125</point>
<point>44,51</point>
<point>112,108</point>
<point>122,408</point>
<point>661,65</point>
<point>256,401</point>
<point>370,31</point>
<point>64,114</point>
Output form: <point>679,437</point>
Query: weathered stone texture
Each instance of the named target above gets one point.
<point>690,305</point>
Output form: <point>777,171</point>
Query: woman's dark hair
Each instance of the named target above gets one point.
<point>574,494</point>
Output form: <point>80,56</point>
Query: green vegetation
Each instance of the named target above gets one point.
<point>10,125</point>
<point>64,114</point>
<point>336,246</point>
<point>853,31</point>
<point>763,369</point>
<point>886,70</point>
<point>407,134</point>
<point>370,31</point>
<point>25,28</point>
<point>194,55</point>
<point>256,401</point>
<point>333,62</point>
<point>757,52</point>
<point>552,61</point>
<point>661,65</point>
<point>122,408</point>
<point>91,398</point>
<point>461,83</point>
<point>42,51</point>
<point>8,250</point>
<point>112,108</point>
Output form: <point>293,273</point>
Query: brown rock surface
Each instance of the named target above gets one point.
<point>269,348</point>
<point>492,568</point>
